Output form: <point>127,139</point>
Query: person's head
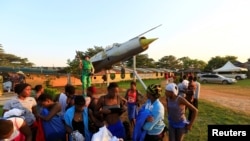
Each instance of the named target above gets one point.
<point>133,85</point>
<point>45,100</point>
<point>91,91</point>
<point>39,88</point>
<point>79,103</point>
<point>184,77</point>
<point>171,90</point>
<point>23,89</point>
<point>195,78</point>
<point>180,79</point>
<point>69,90</point>
<point>6,129</point>
<point>154,91</point>
<point>86,57</point>
<point>113,89</point>
<point>190,78</point>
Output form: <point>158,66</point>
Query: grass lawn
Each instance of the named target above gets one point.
<point>211,114</point>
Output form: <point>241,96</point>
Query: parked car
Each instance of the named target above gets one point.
<point>236,75</point>
<point>216,78</point>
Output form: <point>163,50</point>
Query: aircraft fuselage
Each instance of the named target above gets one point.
<point>119,52</point>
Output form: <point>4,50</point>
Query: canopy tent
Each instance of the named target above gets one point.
<point>229,67</point>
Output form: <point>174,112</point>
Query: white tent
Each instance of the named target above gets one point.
<point>229,67</point>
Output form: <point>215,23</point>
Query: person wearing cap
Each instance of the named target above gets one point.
<point>183,86</point>
<point>176,105</point>
<point>154,121</point>
<point>88,70</point>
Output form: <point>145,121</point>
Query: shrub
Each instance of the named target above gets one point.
<point>51,91</point>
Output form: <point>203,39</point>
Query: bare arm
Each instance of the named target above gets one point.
<point>80,64</point>
<point>193,109</point>
<point>92,68</point>
<point>98,109</point>
<point>92,117</point>
<point>26,131</point>
<point>98,106</point>
<point>123,104</point>
<point>68,129</point>
<point>34,111</point>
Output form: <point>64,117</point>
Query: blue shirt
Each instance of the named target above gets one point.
<point>157,111</point>
<point>68,117</point>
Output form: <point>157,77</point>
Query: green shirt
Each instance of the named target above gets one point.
<point>86,66</point>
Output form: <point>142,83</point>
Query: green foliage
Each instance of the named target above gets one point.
<point>169,62</point>
<point>51,91</point>
<point>218,61</point>
<point>73,65</point>
<point>13,60</point>
<point>244,83</point>
<point>142,61</point>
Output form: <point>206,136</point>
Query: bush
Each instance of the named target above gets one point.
<point>51,91</point>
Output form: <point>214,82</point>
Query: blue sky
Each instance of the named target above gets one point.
<point>48,32</point>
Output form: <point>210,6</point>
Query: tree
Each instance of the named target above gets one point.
<point>188,63</point>
<point>11,60</point>
<point>169,62</point>
<point>142,61</point>
<point>217,62</point>
<point>73,65</point>
<point>1,49</point>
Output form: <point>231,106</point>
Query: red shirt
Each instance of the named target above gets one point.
<point>131,96</point>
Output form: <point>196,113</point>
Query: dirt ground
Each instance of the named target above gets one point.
<point>235,99</point>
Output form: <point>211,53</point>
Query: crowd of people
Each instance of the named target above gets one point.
<point>67,117</point>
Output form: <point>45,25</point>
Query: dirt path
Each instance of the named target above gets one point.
<point>238,100</point>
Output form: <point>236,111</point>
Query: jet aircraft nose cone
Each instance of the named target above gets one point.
<point>146,42</point>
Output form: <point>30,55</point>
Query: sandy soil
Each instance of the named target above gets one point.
<point>238,100</point>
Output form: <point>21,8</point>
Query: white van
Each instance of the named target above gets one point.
<point>237,75</point>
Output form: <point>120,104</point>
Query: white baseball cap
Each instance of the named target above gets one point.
<point>172,87</point>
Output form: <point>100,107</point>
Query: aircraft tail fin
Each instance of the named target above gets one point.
<point>147,31</point>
